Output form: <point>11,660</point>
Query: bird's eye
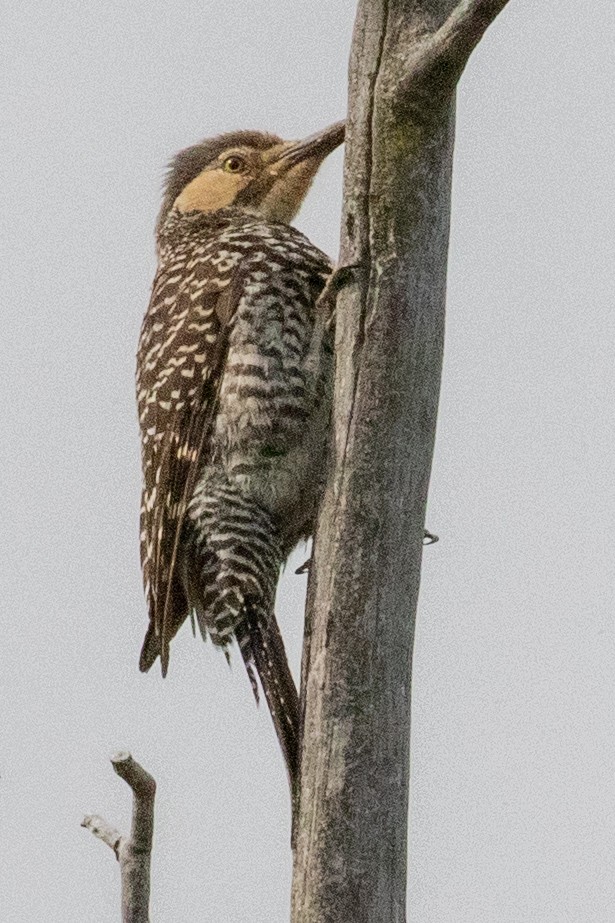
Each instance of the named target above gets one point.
<point>234,164</point>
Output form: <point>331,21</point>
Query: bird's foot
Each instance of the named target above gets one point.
<point>324,320</point>
<point>428,539</point>
<point>339,279</point>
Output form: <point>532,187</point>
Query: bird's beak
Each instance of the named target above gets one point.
<point>291,167</point>
<point>315,147</point>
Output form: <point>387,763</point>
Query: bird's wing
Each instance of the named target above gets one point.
<point>182,348</point>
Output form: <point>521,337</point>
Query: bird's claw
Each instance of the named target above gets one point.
<point>428,539</point>
<point>339,279</point>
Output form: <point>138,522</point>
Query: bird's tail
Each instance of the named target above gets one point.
<point>237,555</point>
<point>265,649</point>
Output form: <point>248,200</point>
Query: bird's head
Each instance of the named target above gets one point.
<point>248,169</point>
